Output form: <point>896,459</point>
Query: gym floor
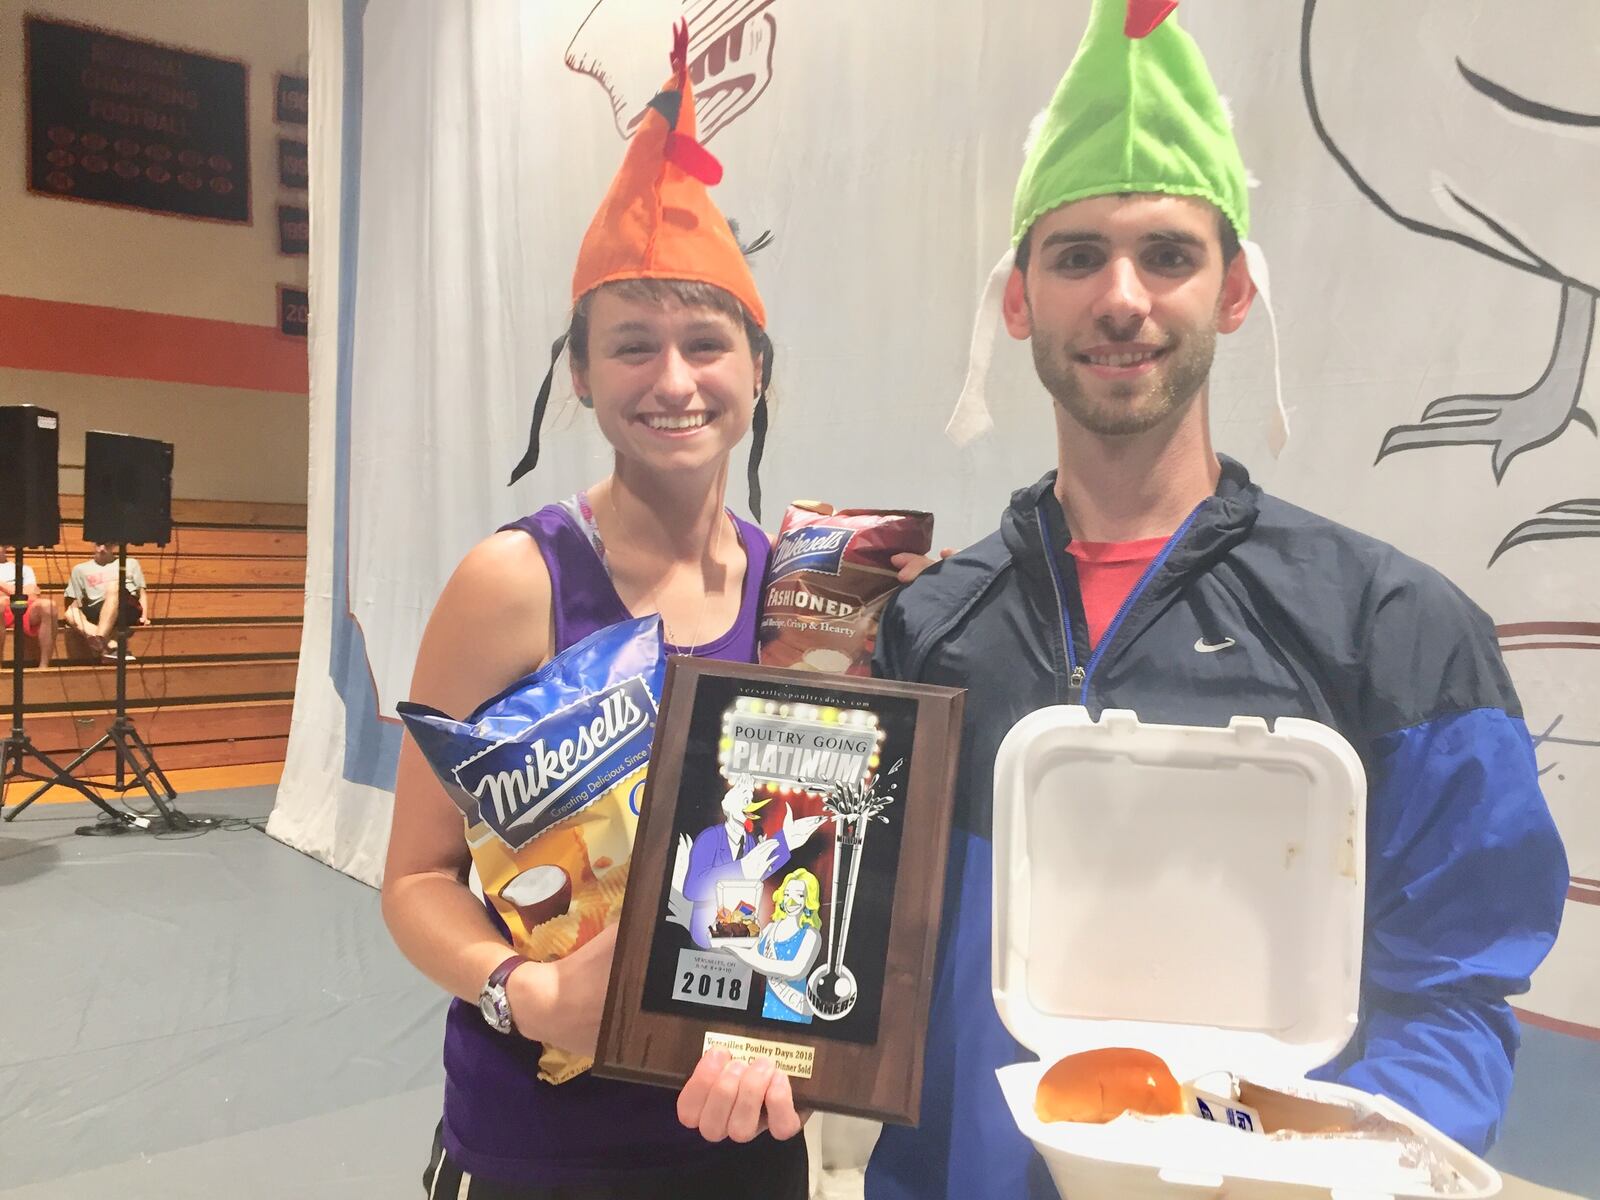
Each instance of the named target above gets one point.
<point>218,1015</point>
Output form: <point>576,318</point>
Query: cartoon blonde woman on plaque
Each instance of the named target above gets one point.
<point>788,947</point>
<point>732,852</point>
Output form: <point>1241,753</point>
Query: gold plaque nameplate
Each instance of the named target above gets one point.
<point>793,1060</point>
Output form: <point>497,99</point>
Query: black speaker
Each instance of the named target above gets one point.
<point>30,507</point>
<point>127,489</point>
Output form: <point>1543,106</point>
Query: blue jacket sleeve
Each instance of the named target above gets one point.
<point>1465,886</point>
<point>888,655</point>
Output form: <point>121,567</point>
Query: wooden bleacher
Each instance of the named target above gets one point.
<point>214,680</point>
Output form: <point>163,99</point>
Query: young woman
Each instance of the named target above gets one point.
<point>668,349</point>
<point>788,946</point>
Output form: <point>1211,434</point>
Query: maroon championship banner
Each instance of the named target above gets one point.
<point>294,230</point>
<point>291,103</point>
<point>294,168</point>
<point>294,311</point>
<point>112,120</point>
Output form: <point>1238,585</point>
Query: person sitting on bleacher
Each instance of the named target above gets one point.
<point>93,604</point>
<point>38,619</point>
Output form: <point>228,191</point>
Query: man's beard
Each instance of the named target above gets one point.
<point>1118,408</point>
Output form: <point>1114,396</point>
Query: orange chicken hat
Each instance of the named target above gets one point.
<point>657,221</point>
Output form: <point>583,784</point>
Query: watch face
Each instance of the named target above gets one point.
<point>489,1009</point>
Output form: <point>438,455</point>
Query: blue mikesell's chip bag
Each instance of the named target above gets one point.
<point>549,775</point>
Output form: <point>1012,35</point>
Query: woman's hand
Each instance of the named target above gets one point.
<point>730,1100</point>
<point>911,565</point>
<point>560,1003</point>
<point>753,959</point>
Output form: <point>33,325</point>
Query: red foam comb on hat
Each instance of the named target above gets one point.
<point>684,149</point>
<point>1145,16</point>
<point>679,58</point>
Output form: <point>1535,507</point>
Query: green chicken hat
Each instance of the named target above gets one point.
<point>1136,111</point>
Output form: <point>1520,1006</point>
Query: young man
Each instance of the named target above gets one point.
<point>38,616</point>
<point>1147,573</point>
<point>93,601</point>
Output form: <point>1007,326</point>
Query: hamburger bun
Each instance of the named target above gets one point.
<point>1100,1085</point>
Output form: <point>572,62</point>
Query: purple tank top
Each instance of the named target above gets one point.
<point>500,1121</point>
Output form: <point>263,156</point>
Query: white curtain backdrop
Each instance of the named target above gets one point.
<point>1426,181</point>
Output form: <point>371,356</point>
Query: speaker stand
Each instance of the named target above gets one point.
<point>130,751</point>
<point>18,748</point>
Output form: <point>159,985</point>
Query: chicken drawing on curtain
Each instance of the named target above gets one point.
<point>730,56</point>
<point>1478,121</point>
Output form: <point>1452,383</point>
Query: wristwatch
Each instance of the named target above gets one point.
<point>493,1002</point>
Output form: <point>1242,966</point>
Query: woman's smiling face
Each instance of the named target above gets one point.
<point>794,896</point>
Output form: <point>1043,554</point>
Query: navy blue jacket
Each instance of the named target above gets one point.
<point>1466,875</point>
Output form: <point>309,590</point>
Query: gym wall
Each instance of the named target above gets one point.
<point>148,323</point>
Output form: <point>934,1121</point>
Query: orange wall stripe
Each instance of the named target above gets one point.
<point>86,339</point>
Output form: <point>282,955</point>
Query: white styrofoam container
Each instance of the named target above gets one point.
<point>1197,893</point>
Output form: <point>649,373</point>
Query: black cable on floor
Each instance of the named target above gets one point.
<point>200,826</point>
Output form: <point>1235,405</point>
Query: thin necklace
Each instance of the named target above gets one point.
<point>651,598</point>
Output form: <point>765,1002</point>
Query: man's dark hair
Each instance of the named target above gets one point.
<point>1226,234</point>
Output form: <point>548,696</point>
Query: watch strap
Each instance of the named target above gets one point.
<point>498,976</point>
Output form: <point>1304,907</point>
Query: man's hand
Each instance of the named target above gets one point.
<point>757,864</point>
<point>910,566</point>
<point>729,1100</point>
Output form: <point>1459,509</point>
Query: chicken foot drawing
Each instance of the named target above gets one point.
<point>1515,423</point>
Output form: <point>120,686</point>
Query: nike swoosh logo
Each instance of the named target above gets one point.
<point>1201,646</point>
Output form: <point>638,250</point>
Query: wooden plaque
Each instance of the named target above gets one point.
<point>786,883</point>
